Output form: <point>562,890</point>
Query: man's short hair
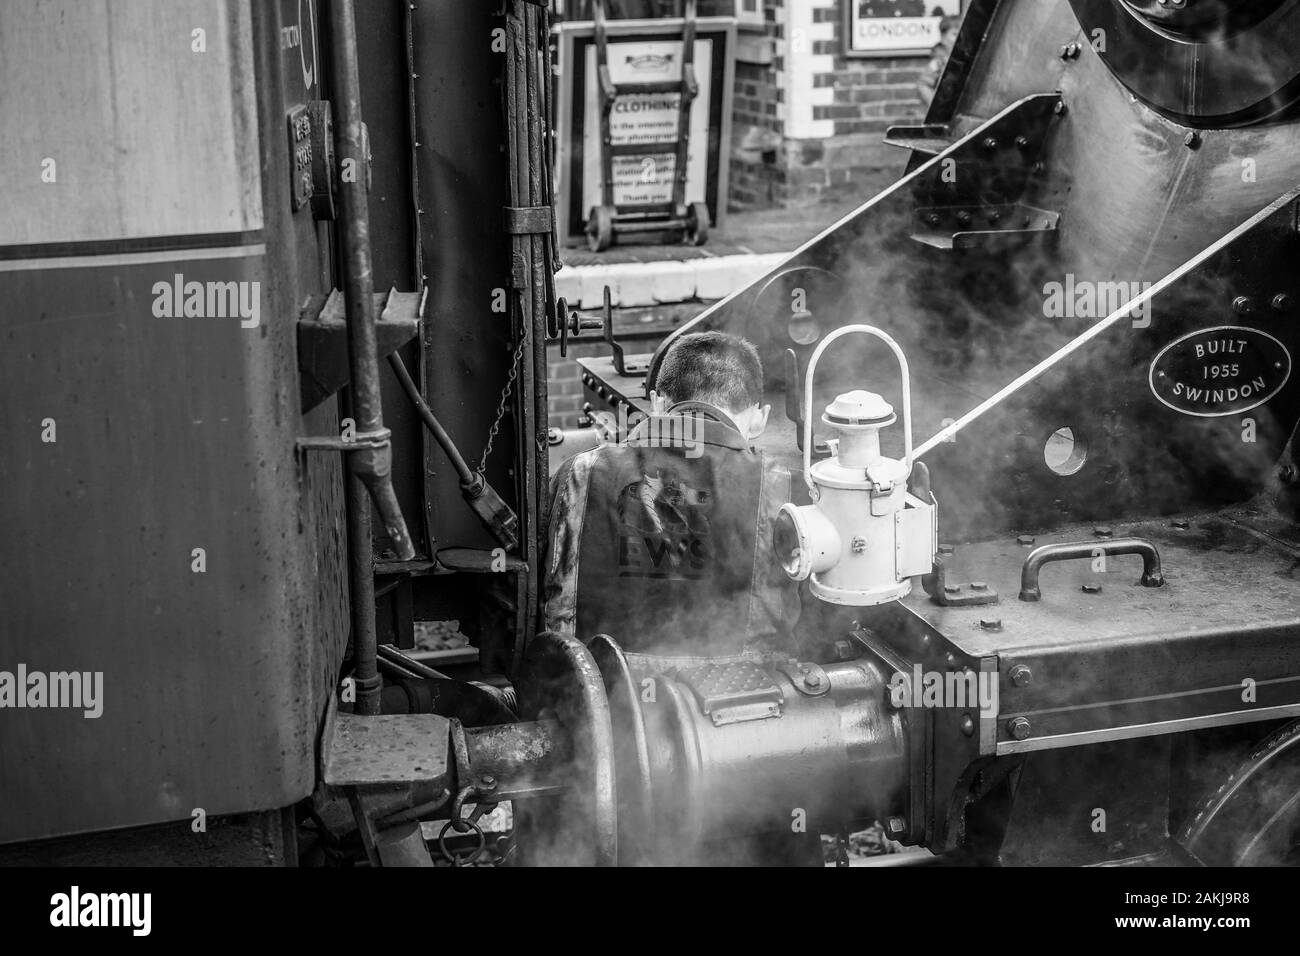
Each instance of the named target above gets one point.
<point>712,367</point>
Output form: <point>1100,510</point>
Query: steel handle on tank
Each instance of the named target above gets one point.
<point>808,393</point>
<point>1152,576</point>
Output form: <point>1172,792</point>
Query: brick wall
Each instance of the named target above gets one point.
<point>810,123</point>
<point>564,384</point>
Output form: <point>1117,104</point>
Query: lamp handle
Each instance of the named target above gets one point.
<point>808,394</point>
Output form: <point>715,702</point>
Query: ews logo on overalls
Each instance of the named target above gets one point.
<point>664,529</point>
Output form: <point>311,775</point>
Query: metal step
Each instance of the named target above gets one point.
<point>971,227</point>
<point>929,138</point>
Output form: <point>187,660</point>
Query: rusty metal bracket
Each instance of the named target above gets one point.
<point>376,439</point>
<point>621,364</point>
<point>323,338</point>
<point>944,594</point>
<point>482,792</point>
<point>528,220</point>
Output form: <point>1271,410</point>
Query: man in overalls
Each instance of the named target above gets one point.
<point>664,541</point>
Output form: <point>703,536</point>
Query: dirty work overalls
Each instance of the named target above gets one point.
<point>665,542</point>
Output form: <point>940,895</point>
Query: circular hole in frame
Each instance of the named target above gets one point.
<point>803,329</point>
<point>1065,452</point>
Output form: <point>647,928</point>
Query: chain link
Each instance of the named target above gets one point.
<point>463,857</point>
<point>505,397</point>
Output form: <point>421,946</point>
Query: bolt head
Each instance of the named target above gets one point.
<point>991,143</point>
<point>812,681</point>
<point>979,586</point>
<point>1025,539</point>
<point>1019,728</point>
<point>991,623</point>
<point>487,781</point>
<point>1282,301</point>
<point>1102,531</point>
<point>967,725</point>
<point>1091,589</point>
<point>896,826</point>
<point>1192,139</point>
<point>858,545</point>
<point>844,650</point>
<point>1243,305</point>
<point>1021,675</point>
<point>951,589</point>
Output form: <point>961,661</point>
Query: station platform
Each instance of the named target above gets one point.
<point>746,246</point>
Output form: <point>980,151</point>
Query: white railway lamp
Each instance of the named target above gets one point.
<point>865,535</point>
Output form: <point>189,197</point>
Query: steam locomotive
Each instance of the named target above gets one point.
<point>279,286</point>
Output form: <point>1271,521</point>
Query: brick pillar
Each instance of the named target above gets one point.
<point>810,124</point>
<point>804,54</point>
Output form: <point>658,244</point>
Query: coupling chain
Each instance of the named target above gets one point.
<point>505,396</point>
<point>481,793</point>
